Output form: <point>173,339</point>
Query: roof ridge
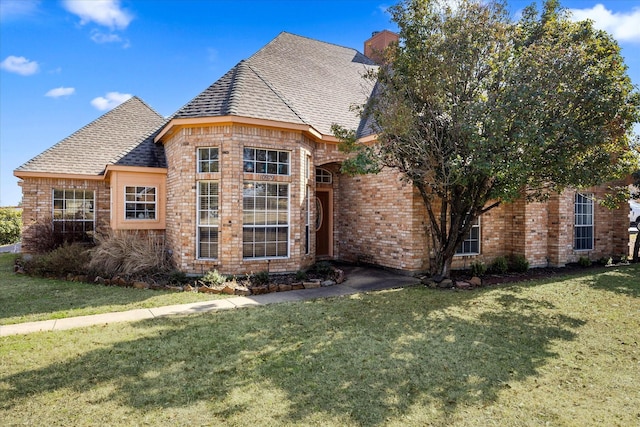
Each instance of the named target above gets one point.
<point>281,97</point>
<point>99,119</point>
<point>302,37</point>
<point>137,142</point>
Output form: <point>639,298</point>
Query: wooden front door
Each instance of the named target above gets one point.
<point>323,224</point>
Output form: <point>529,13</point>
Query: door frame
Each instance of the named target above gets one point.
<point>327,216</point>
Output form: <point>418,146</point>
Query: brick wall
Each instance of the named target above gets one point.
<point>379,222</point>
<point>37,203</point>
<point>181,151</point>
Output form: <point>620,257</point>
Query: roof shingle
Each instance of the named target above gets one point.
<point>292,79</point>
<point>122,136</point>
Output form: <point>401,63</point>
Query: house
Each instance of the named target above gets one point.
<point>246,177</point>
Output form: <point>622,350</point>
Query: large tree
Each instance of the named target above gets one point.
<point>476,110</point>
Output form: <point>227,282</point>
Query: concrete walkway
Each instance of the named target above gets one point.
<point>358,279</point>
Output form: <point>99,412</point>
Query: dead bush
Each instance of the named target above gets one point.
<point>129,254</point>
<point>45,235</point>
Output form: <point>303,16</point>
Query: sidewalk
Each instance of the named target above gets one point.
<point>358,279</point>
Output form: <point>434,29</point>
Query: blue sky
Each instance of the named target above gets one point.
<point>63,63</point>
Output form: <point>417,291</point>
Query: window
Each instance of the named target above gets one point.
<point>208,160</point>
<point>140,203</point>
<point>471,244</point>
<point>73,211</point>
<point>323,176</point>
<point>265,220</point>
<point>583,222</point>
<point>269,162</point>
<point>307,206</point>
<point>208,202</point>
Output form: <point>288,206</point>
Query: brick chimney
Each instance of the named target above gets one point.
<point>375,46</point>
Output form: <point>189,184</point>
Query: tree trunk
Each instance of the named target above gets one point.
<point>636,247</point>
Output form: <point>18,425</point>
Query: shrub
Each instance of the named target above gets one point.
<point>519,264</point>
<point>301,275</point>
<point>70,258</point>
<point>478,268</point>
<point>499,265</point>
<point>213,278</point>
<point>45,236</point>
<point>10,225</point>
<point>177,276</point>
<point>323,268</point>
<point>129,254</point>
<point>584,261</point>
<point>261,278</point>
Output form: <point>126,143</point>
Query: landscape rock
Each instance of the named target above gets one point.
<point>297,286</point>
<point>259,290</point>
<point>445,283</point>
<point>339,276</point>
<point>476,281</point>
<point>140,285</point>
<point>463,285</point>
<point>284,287</point>
<point>242,291</point>
<point>327,283</point>
<point>311,285</point>
<point>228,290</point>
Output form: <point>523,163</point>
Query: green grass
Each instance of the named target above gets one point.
<point>26,299</point>
<point>558,353</point>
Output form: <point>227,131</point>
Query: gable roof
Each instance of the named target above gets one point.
<point>123,136</point>
<point>292,79</point>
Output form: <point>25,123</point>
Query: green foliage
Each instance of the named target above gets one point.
<point>478,268</point>
<point>500,265</point>
<point>10,225</point>
<point>177,276</point>
<point>477,110</point>
<point>213,278</point>
<point>518,263</point>
<point>301,275</point>
<point>70,258</point>
<point>584,261</point>
<point>260,278</point>
<point>323,268</point>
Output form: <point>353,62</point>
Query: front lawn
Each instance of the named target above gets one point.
<point>26,299</point>
<point>563,353</point>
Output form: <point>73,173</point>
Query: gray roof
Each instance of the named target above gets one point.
<point>292,79</point>
<point>123,136</point>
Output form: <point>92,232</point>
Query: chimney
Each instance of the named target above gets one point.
<point>375,46</point>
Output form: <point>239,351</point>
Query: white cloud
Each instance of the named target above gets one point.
<point>17,8</point>
<point>107,13</point>
<point>19,65</point>
<point>624,26</point>
<point>99,37</point>
<point>60,91</point>
<point>110,100</point>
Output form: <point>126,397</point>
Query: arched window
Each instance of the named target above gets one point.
<point>323,176</point>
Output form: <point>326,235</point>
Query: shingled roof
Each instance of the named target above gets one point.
<point>292,79</point>
<point>123,136</point>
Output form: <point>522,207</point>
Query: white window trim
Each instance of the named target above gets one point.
<point>64,190</point>
<point>322,174</point>
<point>253,226</point>
<point>463,254</point>
<point>199,226</point>
<point>590,198</point>
<point>155,203</point>
<point>289,161</point>
<point>199,160</point>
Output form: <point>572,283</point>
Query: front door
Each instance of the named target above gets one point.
<point>323,223</point>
